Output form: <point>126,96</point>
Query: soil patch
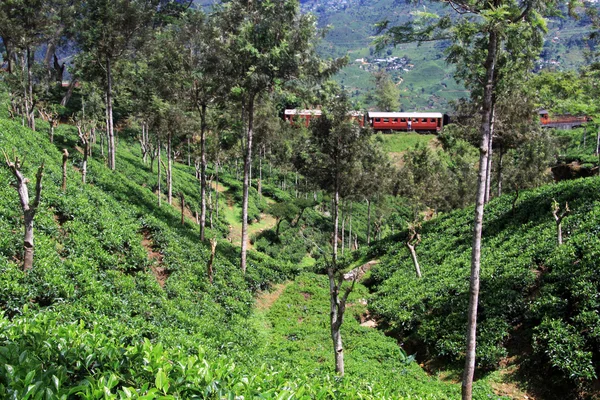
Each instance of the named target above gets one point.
<point>266,299</point>
<point>160,272</point>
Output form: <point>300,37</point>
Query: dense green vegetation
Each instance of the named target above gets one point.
<point>190,243</point>
<point>538,299</point>
<point>94,309</point>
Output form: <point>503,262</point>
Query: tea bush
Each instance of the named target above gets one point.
<point>531,289</point>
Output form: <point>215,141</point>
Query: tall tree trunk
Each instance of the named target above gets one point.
<point>296,183</point>
<point>350,229</point>
<point>247,163</point>
<point>86,147</point>
<point>110,132</point>
<point>182,203</point>
<point>413,255</point>
<point>500,166</point>
<point>202,170</point>
<point>486,120</point>
<point>336,207</point>
<point>343,233</point>
<point>337,305</point>
<point>31,115</point>
<point>69,93</point>
<point>368,222</point>
<point>213,249</point>
<point>260,157</point>
<point>488,179</point>
<point>25,91</point>
<point>189,152</point>
<point>217,190</point>
<point>169,169</point>
<point>158,173</point>
<point>65,158</point>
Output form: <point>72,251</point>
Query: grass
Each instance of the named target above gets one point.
<point>232,213</point>
<point>400,142</point>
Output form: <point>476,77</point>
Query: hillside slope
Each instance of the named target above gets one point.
<point>119,305</point>
<point>539,304</point>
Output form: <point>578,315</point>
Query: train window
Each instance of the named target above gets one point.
<point>377,119</point>
<point>386,120</point>
<point>432,120</point>
<point>394,119</point>
<point>424,120</point>
<point>402,119</point>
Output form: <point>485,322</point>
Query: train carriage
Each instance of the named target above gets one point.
<point>406,121</point>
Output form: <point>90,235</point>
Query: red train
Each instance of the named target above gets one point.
<point>561,121</point>
<point>380,121</point>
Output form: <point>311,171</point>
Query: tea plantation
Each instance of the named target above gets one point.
<point>539,305</point>
<point>119,304</point>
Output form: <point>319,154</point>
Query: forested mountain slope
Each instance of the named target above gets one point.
<point>539,305</point>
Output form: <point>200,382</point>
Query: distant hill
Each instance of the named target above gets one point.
<point>426,81</point>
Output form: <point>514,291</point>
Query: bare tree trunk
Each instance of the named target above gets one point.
<point>500,166</point>
<point>296,184</point>
<point>182,203</point>
<point>413,255</point>
<point>486,121</point>
<point>213,249</point>
<point>159,178</point>
<point>86,146</point>
<point>210,203</point>
<point>598,143</point>
<point>558,217</point>
<point>336,313</point>
<point>343,233</point>
<point>217,190</point>
<point>29,210</point>
<point>336,206</point>
<point>65,158</point>
<point>337,304</point>
<point>260,157</point>
<point>350,229</point>
<point>169,169</point>
<point>247,162</point>
<point>31,115</point>
<point>25,92</point>
<point>109,116</point>
<point>69,93</point>
<point>203,170</point>
<point>488,179</point>
<point>368,222</point>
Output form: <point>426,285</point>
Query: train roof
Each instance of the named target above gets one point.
<point>302,112</point>
<point>405,115</point>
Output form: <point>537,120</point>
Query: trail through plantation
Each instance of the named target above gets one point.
<point>159,271</point>
<point>233,213</point>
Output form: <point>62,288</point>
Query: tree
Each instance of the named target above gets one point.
<point>335,160</point>
<point>267,43</point>
<point>558,217</point>
<point>283,211</point>
<point>29,208</point>
<point>203,66</point>
<point>386,92</point>
<point>25,25</point>
<point>107,30</point>
<point>504,34</point>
